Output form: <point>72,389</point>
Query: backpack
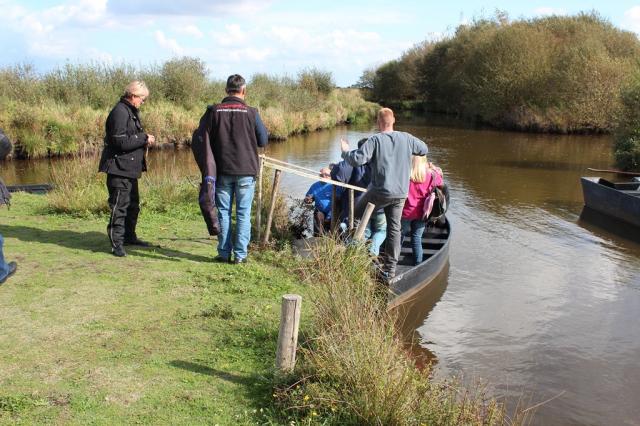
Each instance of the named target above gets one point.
<point>437,202</point>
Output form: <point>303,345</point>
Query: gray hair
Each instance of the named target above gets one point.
<point>136,88</point>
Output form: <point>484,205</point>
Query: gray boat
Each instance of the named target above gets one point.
<point>411,279</point>
<point>620,200</point>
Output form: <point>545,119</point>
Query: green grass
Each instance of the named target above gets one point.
<point>162,336</point>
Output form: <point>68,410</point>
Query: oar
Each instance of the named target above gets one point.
<point>620,172</point>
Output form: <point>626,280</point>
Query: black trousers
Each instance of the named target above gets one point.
<point>124,203</point>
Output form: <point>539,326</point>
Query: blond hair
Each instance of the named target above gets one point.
<point>419,168</point>
<point>385,116</point>
<point>136,88</point>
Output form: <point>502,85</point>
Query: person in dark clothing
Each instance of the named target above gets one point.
<point>235,131</point>
<point>123,160</point>
<point>6,269</point>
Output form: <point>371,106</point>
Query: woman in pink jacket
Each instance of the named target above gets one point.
<point>424,178</point>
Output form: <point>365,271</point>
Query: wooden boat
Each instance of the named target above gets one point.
<point>39,188</point>
<point>620,200</point>
<point>411,279</point>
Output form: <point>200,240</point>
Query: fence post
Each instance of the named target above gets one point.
<point>352,207</point>
<point>272,207</point>
<point>334,209</point>
<point>359,235</point>
<point>259,203</point>
<point>288,334</point>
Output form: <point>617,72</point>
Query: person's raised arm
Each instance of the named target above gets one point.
<point>359,156</point>
<point>418,146</point>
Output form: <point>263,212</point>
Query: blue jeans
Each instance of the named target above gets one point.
<point>4,268</point>
<point>414,229</point>
<point>376,231</point>
<point>241,188</point>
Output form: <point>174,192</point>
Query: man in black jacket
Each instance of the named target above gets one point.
<point>123,160</point>
<point>235,132</point>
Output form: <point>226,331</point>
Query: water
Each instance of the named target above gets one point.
<point>536,301</point>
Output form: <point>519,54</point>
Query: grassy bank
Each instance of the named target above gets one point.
<point>63,111</point>
<point>161,336</point>
<point>550,74</point>
<point>167,336</point>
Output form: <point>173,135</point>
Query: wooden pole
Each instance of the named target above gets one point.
<point>272,207</point>
<point>334,209</point>
<point>288,335</point>
<point>259,203</point>
<point>359,235</point>
<point>352,207</point>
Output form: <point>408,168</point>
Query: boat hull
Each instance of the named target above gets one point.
<point>618,200</point>
<point>411,279</point>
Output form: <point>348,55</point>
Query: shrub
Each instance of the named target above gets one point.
<point>627,135</point>
<point>557,73</point>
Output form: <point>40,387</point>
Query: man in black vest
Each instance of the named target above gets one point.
<point>123,160</point>
<point>235,133</point>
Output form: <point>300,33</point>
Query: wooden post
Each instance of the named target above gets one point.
<point>335,211</point>
<point>259,202</point>
<point>359,235</point>
<point>288,335</point>
<point>272,207</point>
<point>352,208</point>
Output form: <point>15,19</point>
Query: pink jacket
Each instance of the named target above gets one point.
<point>418,192</point>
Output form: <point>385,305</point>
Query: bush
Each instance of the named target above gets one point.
<point>627,136</point>
<point>559,74</point>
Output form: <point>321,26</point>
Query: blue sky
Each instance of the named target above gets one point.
<point>250,36</point>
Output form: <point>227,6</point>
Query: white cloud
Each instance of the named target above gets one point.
<point>632,19</point>
<point>169,44</point>
<point>186,7</point>
<point>190,30</point>
<point>233,35</point>
<point>548,11</point>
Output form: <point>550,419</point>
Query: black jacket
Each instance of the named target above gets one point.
<point>235,133</point>
<point>124,142</point>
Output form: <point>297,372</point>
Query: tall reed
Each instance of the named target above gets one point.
<point>354,367</point>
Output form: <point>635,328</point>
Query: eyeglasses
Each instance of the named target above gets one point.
<point>142,98</point>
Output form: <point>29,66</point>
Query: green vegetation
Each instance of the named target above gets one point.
<point>627,134</point>
<point>165,335</point>
<point>550,74</point>
<point>63,111</point>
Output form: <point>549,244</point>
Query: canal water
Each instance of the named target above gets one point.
<point>538,302</point>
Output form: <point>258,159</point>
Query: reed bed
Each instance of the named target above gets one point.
<point>62,112</point>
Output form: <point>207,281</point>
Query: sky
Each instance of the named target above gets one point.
<point>277,37</point>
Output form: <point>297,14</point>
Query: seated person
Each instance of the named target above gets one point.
<point>6,269</point>
<point>320,193</point>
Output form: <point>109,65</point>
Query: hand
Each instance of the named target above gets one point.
<point>344,145</point>
<point>151,139</point>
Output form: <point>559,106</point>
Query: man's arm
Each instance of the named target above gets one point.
<point>359,156</point>
<point>118,137</point>
<point>419,147</point>
<point>262,136</point>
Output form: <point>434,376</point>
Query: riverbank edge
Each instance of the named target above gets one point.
<point>52,129</point>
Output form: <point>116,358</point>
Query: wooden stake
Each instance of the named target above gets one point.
<point>359,235</point>
<point>259,202</point>
<point>272,207</point>
<point>288,335</point>
<point>334,209</point>
<point>352,207</point>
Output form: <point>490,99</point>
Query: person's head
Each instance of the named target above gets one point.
<point>136,93</point>
<point>325,172</point>
<point>418,168</point>
<point>385,120</point>
<point>236,86</point>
